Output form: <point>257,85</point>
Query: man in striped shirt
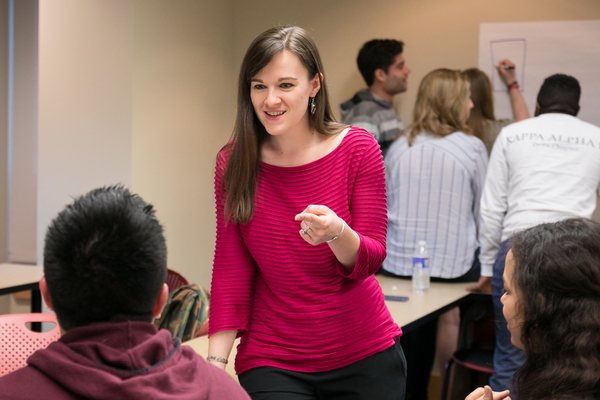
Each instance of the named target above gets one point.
<point>382,65</point>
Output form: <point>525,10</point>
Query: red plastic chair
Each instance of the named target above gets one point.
<point>175,280</point>
<point>17,342</point>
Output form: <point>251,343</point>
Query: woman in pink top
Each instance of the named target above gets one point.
<point>301,225</point>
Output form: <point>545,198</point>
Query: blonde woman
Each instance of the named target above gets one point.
<point>435,174</point>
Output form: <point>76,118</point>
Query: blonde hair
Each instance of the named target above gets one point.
<point>442,105</point>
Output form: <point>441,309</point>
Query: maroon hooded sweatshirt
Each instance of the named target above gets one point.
<point>128,360</point>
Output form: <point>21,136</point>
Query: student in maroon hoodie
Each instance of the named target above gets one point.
<point>105,264</point>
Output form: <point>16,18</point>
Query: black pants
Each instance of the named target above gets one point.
<point>381,376</point>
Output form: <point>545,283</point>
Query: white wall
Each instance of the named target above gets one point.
<point>143,91</point>
<point>139,93</point>
<point>184,91</point>
<point>4,300</point>
<point>85,101</point>
<point>437,33</point>
<point>22,183</point>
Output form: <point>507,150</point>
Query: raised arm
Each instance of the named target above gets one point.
<point>368,206</point>
<point>506,69</point>
<point>360,248</point>
<point>327,227</point>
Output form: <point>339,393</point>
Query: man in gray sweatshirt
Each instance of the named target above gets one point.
<point>383,68</point>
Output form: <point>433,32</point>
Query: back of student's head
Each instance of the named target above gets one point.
<point>442,105</point>
<point>377,54</point>
<point>559,93</point>
<point>483,100</point>
<point>105,259</point>
<point>557,279</point>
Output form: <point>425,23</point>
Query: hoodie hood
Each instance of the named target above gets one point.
<point>128,360</point>
<point>362,96</point>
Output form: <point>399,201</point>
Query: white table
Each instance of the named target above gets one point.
<point>20,277</point>
<point>422,307</point>
<point>419,309</point>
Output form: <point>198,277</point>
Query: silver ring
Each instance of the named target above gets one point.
<point>305,230</point>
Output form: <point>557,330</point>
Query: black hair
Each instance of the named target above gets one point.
<point>557,278</point>
<point>559,93</point>
<point>105,259</point>
<point>377,54</point>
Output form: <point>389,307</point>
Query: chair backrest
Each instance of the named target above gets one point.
<point>175,280</point>
<point>17,342</point>
<point>477,326</point>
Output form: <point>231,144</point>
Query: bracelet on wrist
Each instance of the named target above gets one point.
<point>340,234</point>
<point>218,359</point>
<point>513,85</point>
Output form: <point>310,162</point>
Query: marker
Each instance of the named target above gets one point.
<point>508,67</point>
<point>396,298</point>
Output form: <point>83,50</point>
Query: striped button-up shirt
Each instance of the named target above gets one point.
<point>433,191</point>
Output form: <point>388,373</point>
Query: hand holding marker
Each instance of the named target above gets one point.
<point>506,70</point>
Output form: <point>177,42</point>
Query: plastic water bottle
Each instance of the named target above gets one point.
<point>420,278</point>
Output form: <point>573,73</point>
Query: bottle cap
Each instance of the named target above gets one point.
<point>422,243</point>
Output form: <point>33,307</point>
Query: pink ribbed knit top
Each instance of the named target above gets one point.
<point>293,304</point>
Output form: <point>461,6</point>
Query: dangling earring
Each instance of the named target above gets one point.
<point>313,107</point>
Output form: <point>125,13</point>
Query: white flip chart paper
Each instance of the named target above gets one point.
<point>541,49</point>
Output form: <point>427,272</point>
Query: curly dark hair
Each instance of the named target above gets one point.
<point>557,275</point>
<point>559,93</point>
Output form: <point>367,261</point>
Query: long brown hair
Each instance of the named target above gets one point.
<point>241,172</point>
<point>557,277</point>
<point>483,100</point>
<point>442,105</point>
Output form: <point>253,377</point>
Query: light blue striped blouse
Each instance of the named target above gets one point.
<point>433,191</point>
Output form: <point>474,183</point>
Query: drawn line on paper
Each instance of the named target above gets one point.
<point>509,48</point>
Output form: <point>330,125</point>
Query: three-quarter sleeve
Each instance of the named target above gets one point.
<point>368,207</point>
<point>234,269</point>
<point>291,298</point>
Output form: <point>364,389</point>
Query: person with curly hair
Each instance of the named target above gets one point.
<point>543,169</point>
<point>551,303</point>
